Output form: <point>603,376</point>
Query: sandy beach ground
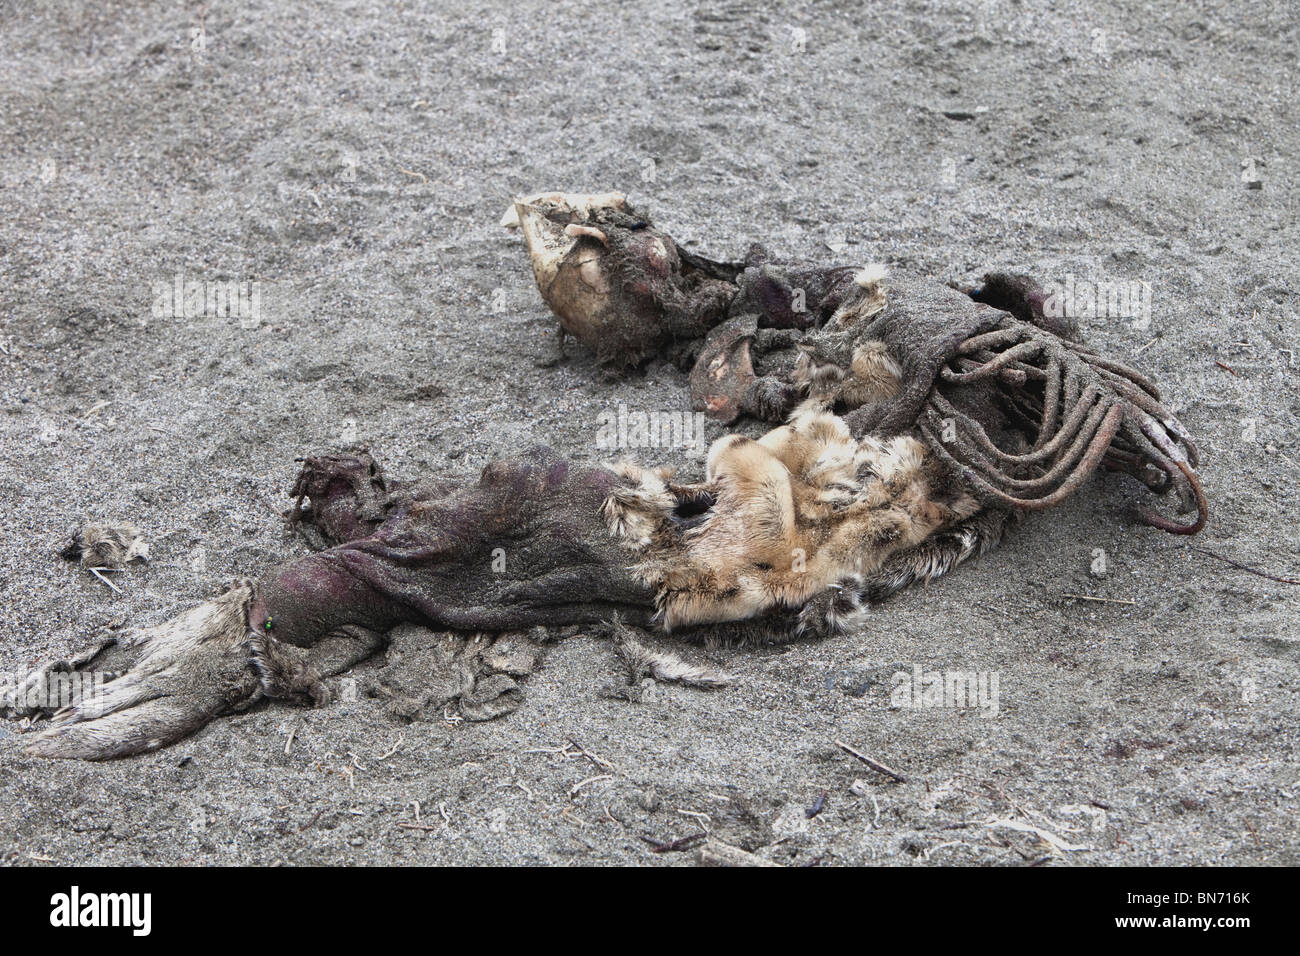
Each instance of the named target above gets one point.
<point>354,158</point>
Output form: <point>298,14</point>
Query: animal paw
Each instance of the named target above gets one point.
<point>349,496</point>
<point>831,612</point>
<point>769,399</point>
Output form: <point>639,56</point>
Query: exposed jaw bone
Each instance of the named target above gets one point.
<point>569,272</point>
<point>617,284</point>
<point>580,205</point>
<point>566,261</point>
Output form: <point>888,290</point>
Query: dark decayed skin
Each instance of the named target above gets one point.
<point>523,546</point>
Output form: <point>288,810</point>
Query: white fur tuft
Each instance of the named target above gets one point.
<point>871,275</point>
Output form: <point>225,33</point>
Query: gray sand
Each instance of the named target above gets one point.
<point>354,158</point>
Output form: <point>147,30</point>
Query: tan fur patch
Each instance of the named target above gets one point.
<point>874,375</point>
<point>793,513</point>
